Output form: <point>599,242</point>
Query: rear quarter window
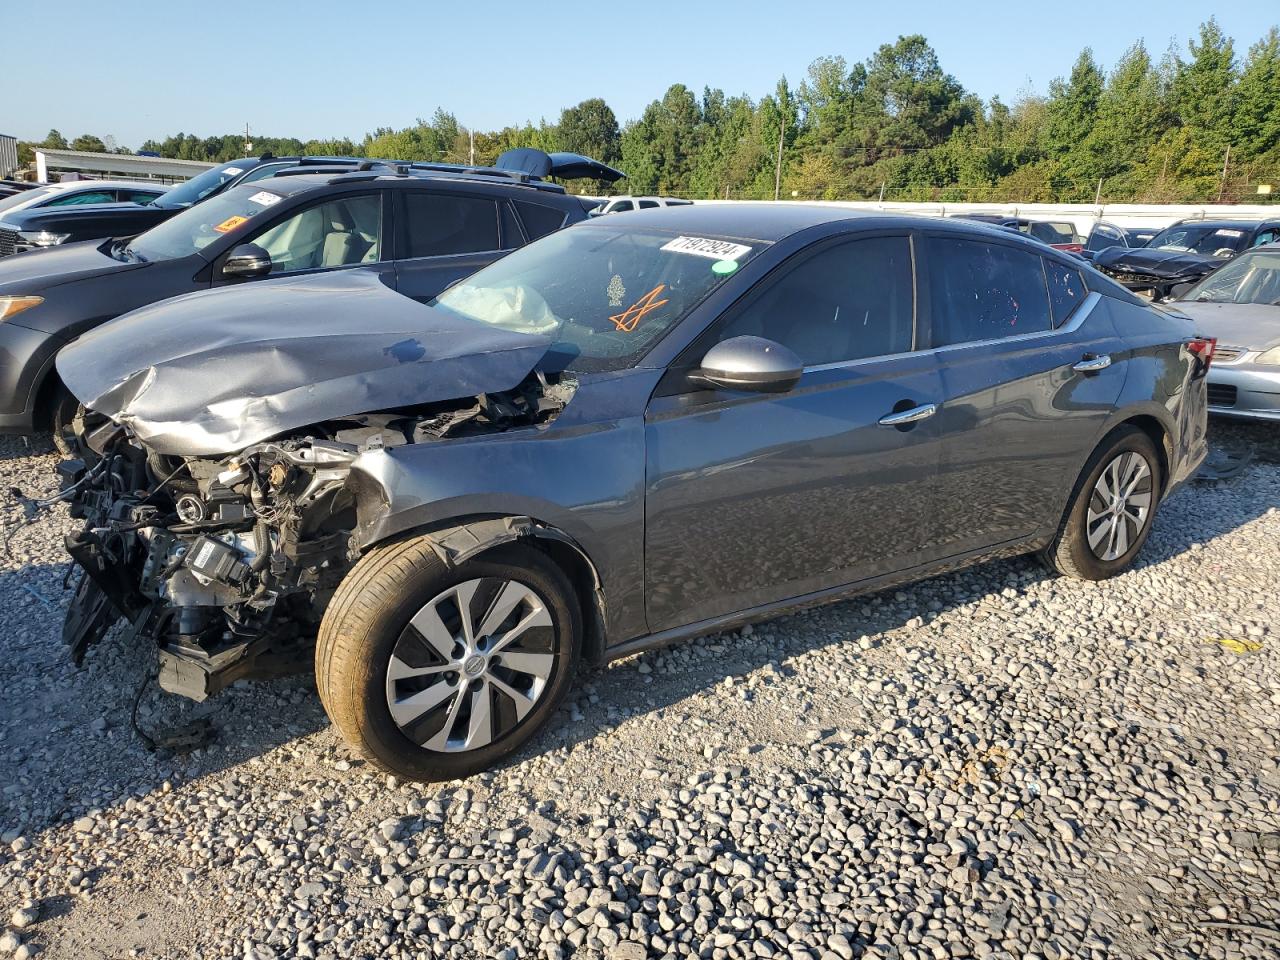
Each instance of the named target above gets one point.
<point>1066,290</point>
<point>539,220</point>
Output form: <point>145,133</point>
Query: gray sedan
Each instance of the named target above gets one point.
<point>637,430</point>
<point>1240,306</point>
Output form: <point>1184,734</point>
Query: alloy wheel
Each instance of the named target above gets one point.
<point>1120,506</point>
<point>471,664</point>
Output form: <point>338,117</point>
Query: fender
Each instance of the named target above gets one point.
<point>457,543</point>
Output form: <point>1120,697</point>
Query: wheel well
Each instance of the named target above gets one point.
<point>46,399</point>
<point>589,594</point>
<point>1154,429</point>
<point>461,541</point>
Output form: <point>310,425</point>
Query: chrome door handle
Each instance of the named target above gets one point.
<point>1091,364</point>
<point>910,415</point>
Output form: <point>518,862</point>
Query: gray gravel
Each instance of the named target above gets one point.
<point>996,763</point>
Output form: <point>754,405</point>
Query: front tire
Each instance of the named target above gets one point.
<point>1112,509</point>
<point>61,415</point>
<point>434,672</point>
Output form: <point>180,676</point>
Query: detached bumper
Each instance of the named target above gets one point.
<point>1246,390</point>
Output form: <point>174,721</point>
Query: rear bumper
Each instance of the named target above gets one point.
<point>26,357</point>
<point>1246,391</point>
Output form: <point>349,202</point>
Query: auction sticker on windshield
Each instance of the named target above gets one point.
<point>706,247</point>
<point>264,199</point>
<point>229,224</point>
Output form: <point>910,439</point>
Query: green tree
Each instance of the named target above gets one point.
<point>1257,118</point>
<point>1073,106</point>
<point>590,128</point>
<point>1204,89</point>
<point>54,141</point>
<point>89,143</point>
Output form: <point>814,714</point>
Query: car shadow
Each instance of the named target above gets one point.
<point>56,714</point>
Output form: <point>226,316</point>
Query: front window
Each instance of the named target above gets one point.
<point>196,227</point>
<point>204,185</point>
<point>1251,278</point>
<point>604,296</point>
<point>338,233</point>
<point>1204,239</point>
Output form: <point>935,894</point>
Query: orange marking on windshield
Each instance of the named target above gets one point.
<point>229,224</point>
<point>630,318</point>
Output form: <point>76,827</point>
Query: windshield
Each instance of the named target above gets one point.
<point>1251,278</point>
<point>604,296</point>
<point>24,197</point>
<point>199,187</point>
<point>1207,240</point>
<point>196,227</point>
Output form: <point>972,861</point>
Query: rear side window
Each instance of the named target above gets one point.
<point>539,220</point>
<point>648,204</point>
<point>982,291</point>
<point>848,302</point>
<point>1066,290</point>
<point>88,196</point>
<point>438,225</point>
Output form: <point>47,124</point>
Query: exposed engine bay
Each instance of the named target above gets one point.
<point>228,563</point>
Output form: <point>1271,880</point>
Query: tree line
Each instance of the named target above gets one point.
<point>1200,124</point>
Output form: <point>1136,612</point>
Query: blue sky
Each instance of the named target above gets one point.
<point>340,69</point>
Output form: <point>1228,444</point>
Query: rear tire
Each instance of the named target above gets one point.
<point>1112,508</point>
<point>421,694</point>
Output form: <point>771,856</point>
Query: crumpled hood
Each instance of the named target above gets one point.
<point>33,272</point>
<point>1165,264</point>
<point>1252,325</point>
<point>215,371</point>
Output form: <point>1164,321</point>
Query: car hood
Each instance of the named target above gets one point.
<point>1252,325</point>
<point>1156,263</point>
<point>213,372</point>
<point>30,273</point>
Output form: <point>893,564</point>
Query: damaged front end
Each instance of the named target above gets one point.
<point>227,563</point>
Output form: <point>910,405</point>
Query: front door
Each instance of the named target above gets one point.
<point>755,498</point>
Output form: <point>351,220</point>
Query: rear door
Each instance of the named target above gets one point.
<point>444,236</point>
<point>1024,354</point>
<point>753,498</point>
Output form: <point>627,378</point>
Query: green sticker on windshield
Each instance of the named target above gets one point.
<point>724,267</point>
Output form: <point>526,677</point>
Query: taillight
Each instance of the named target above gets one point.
<point>1203,348</point>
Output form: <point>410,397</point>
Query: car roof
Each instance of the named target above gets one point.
<point>1221,223</point>
<point>756,221</point>
<point>292,184</point>
<point>107,184</point>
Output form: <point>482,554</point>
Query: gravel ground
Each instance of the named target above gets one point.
<point>995,763</point>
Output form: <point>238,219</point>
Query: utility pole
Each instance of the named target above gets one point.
<point>248,144</point>
<point>472,135</point>
<point>1097,197</point>
<point>882,184</point>
<point>777,170</point>
<point>1226,160</point>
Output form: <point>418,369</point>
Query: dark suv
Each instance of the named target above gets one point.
<point>418,228</point>
<point>48,225</point>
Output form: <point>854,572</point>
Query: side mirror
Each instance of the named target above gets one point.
<point>750,363</point>
<point>246,261</point>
